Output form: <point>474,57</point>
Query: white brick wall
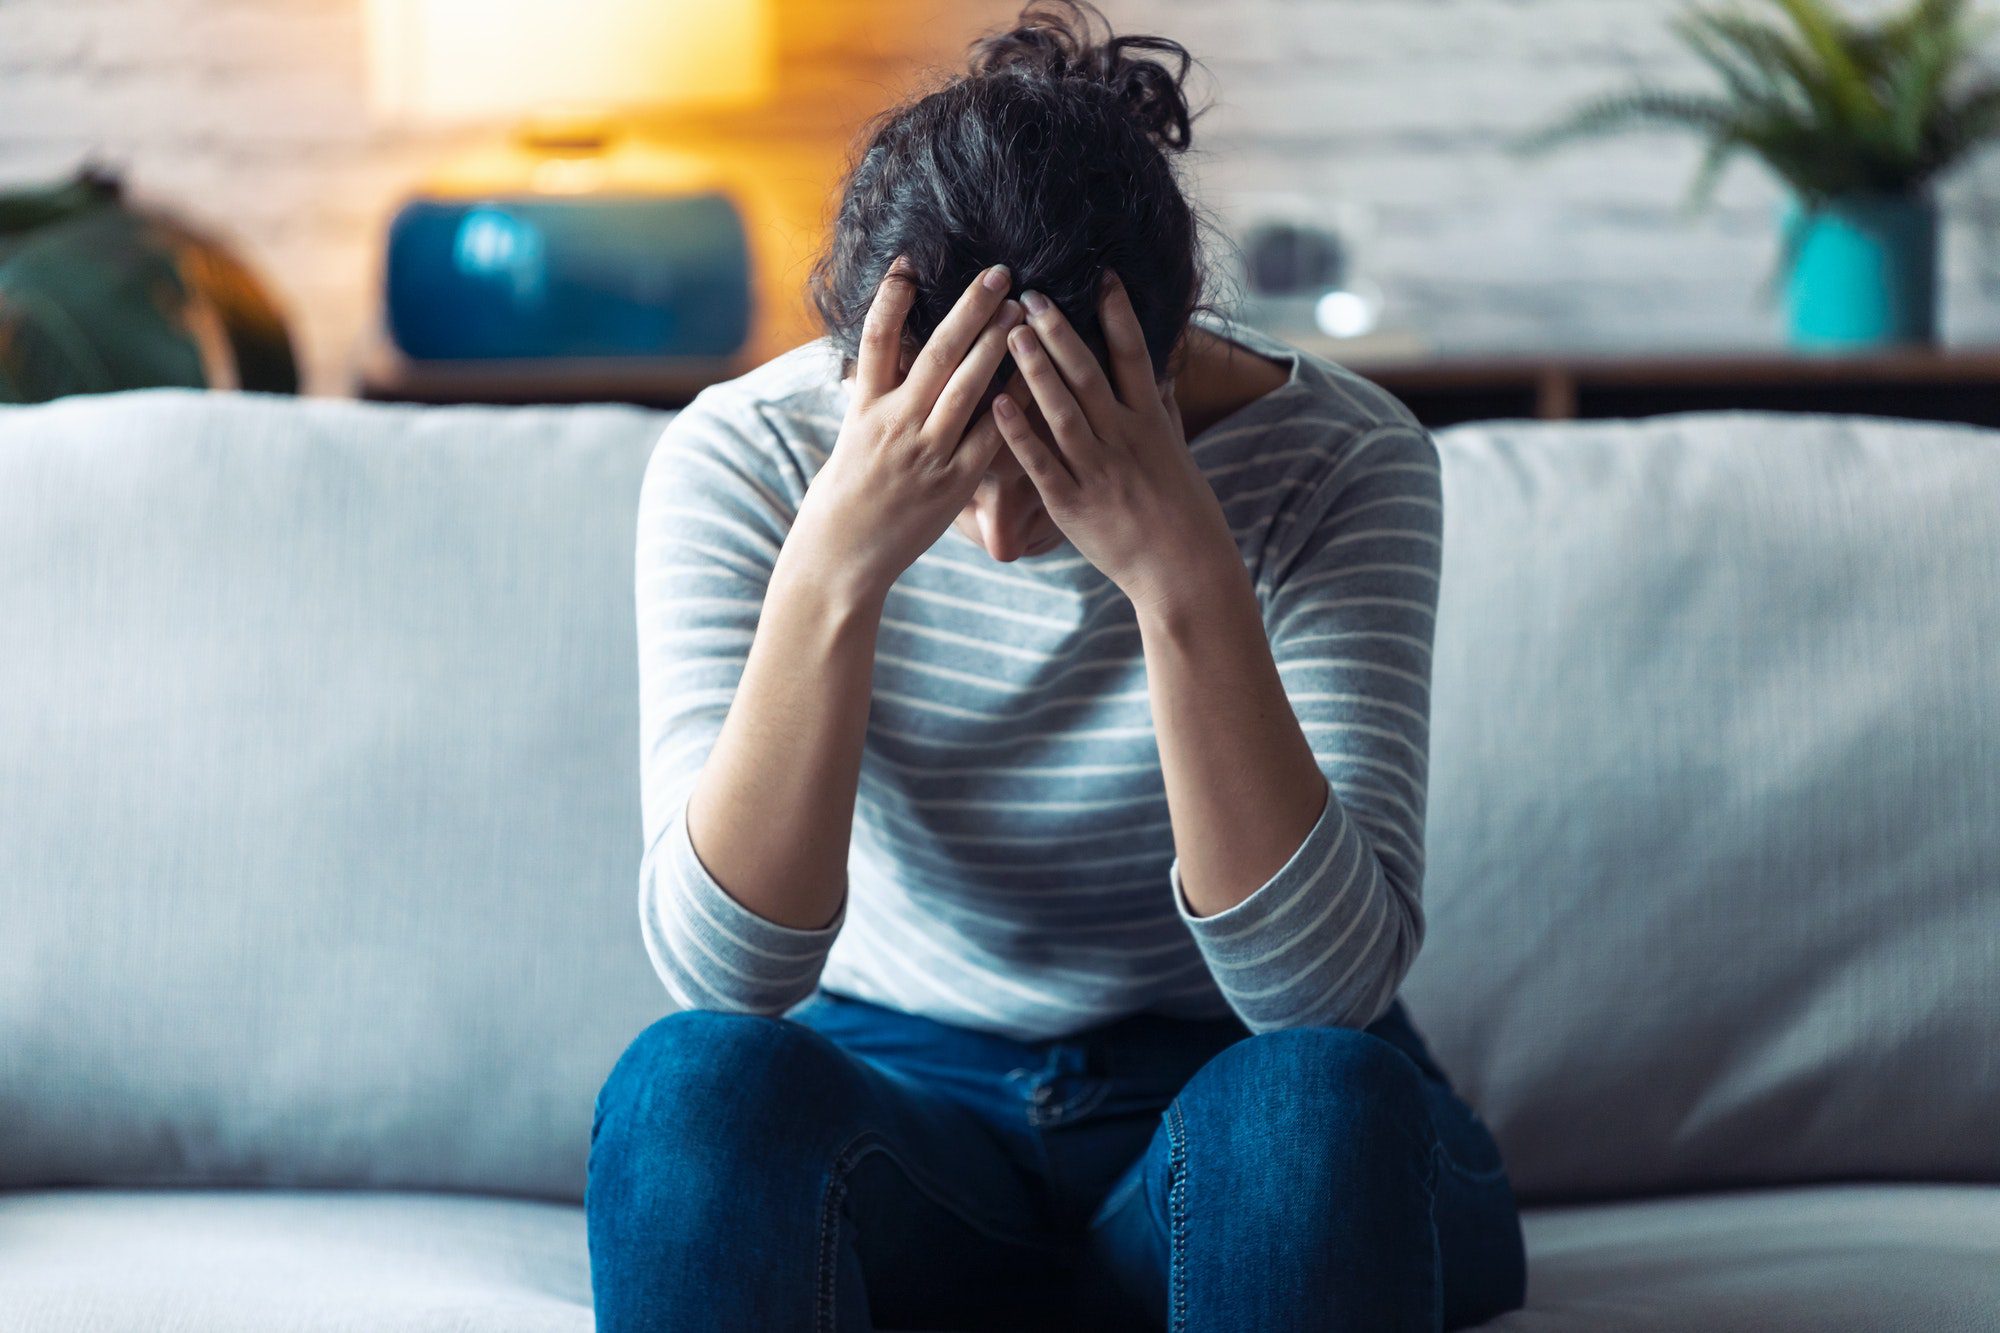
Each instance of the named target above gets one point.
<point>249,115</point>
<point>1406,106</point>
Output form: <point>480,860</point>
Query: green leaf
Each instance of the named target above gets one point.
<point>1829,105</point>
<point>1641,108</point>
<point>1772,67</point>
<point>1713,160</point>
<point>1823,32</point>
<point>1971,122</point>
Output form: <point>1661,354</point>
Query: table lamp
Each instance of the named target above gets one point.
<point>575,236</point>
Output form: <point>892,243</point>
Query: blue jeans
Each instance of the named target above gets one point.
<point>852,1166</point>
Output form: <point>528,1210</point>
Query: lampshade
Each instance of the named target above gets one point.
<point>465,60</point>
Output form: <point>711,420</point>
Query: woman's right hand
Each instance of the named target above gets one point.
<point>905,464</point>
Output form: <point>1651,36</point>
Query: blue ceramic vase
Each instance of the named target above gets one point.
<point>1863,271</point>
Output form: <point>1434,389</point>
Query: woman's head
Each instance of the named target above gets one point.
<point>1048,154</point>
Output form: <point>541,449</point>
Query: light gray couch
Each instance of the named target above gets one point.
<point>319,828</point>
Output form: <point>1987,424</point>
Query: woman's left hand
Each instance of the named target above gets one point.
<point>1120,481</point>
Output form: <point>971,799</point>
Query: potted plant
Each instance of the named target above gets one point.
<point>99,294</point>
<point>1858,119</point>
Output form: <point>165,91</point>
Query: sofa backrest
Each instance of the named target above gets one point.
<point>319,812</point>
<point>319,815</point>
<point>1714,823</point>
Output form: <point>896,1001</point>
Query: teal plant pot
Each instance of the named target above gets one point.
<point>1863,272</point>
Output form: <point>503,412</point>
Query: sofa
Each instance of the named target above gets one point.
<point>319,832</point>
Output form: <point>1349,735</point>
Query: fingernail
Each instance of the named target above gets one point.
<point>1004,406</point>
<point>1022,339</point>
<point>996,278</point>
<point>1010,314</point>
<point>1035,302</point>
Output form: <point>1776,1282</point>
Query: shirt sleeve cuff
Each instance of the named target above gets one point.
<point>711,950</point>
<point>1241,933</point>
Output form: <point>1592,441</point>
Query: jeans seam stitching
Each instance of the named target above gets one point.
<point>1467,1173</point>
<point>1177,1216</point>
<point>1478,1175</point>
<point>870,1141</point>
<point>1437,1154</point>
<point>829,1238</point>
<point>835,1194</point>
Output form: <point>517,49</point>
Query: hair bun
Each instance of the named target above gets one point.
<point>1052,40</point>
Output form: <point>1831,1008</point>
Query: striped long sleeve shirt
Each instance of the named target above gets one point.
<point>1012,866</point>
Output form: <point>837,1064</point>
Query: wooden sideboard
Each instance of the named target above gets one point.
<point>1940,384</point>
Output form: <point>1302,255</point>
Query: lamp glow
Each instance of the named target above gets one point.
<point>579,235</point>
<point>467,60</point>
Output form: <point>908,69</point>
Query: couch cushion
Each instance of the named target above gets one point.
<point>319,772</point>
<point>1808,1259</point>
<point>269,1261</point>
<point>318,766</point>
<point>1839,1259</point>
<point>1714,803</point>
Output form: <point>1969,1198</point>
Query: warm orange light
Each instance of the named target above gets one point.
<point>466,60</point>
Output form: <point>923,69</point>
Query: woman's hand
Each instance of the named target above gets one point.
<point>904,463</point>
<point>1119,482</point>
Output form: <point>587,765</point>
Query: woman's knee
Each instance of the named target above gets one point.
<point>700,1074</point>
<point>1300,1098</point>
<point>707,1128</point>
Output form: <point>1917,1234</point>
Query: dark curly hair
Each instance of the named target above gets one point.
<point>1049,155</point>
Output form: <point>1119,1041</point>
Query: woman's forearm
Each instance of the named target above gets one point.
<point>1242,785</point>
<point>772,812</point>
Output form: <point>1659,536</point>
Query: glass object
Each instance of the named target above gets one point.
<point>1297,260</point>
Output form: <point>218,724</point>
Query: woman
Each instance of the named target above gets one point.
<point>1034,702</point>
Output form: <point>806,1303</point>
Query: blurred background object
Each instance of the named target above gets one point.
<point>1392,126</point>
<point>271,120</point>
<point>1857,115</point>
<point>1299,259</point>
<point>98,293</point>
<point>569,236</point>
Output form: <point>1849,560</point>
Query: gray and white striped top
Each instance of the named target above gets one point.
<point>1012,866</point>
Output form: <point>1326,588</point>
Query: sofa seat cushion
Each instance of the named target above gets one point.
<point>1830,1258</point>
<point>270,1261</point>
<point>1808,1259</point>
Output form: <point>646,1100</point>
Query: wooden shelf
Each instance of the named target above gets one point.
<point>1940,384</point>
<point>386,376</point>
<point>1937,384</point>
